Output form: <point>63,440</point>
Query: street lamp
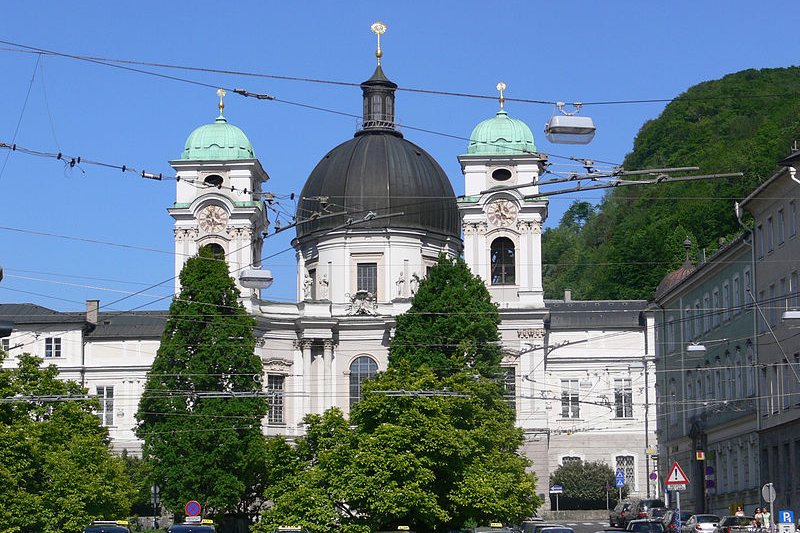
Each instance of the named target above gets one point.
<point>568,127</point>
<point>696,348</point>
<point>255,278</point>
<point>792,314</point>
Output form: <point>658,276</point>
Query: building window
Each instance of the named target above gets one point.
<point>759,241</point>
<point>570,459</point>
<point>503,258</point>
<point>751,371</point>
<point>781,227</point>
<point>687,312</point>
<point>706,313</point>
<point>784,301</point>
<point>5,345</point>
<point>726,301</point>
<point>106,413</point>
<point>672,401</point>
<point>698,317</point>
<point>737,299</point>
<point>623,398</point>
<point>794,301</point>
<point>773,306</point>
<point>715,303</point>
<point>52,347</point>
<point>570,408</point>
<point>770,234</point>
<point>361,369</point>
<point>625,463</point>
<point>792,219</point>
<point>312,279</point>
<point>367,278</point>
<point>510,386</point>
<point>275,388</point>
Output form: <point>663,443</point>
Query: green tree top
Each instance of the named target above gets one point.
<point>451,326</point>
<point>203,441</point>
<point>57,470</point>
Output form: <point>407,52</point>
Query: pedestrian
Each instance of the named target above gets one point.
<point>739,511</point>
<point>766,516</point>
<point>758,518</point>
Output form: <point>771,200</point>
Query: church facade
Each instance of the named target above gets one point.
<point>373,217</point>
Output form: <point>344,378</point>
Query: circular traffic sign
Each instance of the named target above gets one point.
<point>192,508</point>
<point>653,476</point>
<point>768,492</point>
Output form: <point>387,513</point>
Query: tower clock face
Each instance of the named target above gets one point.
<point>502,212</point>
<point>213,218</point>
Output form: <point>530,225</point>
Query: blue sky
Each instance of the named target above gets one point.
<point>87,232</point>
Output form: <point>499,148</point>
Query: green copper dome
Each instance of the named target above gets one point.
<point>218,141</point>
<point>501,135</point>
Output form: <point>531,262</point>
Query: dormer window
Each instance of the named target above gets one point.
<point>214,180</point>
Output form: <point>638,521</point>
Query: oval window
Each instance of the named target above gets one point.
<point>214,180</point>
<point>501,174</point>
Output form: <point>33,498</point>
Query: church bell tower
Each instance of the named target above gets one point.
<point>219,201</point>
<point>502,225</point>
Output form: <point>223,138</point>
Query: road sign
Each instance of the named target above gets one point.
<point>557,489</point>
<point>676,476</point>
<point>192,508</point>
<point>653,476</point>
<point>768,493</point>
<point>677,487</point>
<point>786,517</point>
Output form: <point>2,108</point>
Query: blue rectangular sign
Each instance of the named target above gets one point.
<point>620,482</point>
<point>786,517</point>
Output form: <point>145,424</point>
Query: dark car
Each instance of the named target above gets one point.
<point>620,514</point>
<point>107,526</point>
<point>193,524</point>
<point>670,520</point>
<point>640,508</point>
<point>657,512</point>
<point>645,525</point>
<point>736,524</point>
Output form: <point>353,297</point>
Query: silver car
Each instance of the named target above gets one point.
<point>701,523</point>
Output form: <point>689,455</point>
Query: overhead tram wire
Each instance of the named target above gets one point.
<point>25,49</point>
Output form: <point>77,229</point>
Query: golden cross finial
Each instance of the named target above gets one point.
<point>501,87</point>
<point>378,28</point>
<point>221,93</point>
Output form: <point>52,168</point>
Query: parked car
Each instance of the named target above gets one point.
<point>657,512</point>
<point>736,524</point>
<point>536,527</point>
<point>619,515</point>
<point>700,523</point>
<point>640,508</point>
<point>670,520</point>
<point>645,525</point>
<point>107,526</point>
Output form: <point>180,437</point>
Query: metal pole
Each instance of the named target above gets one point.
<point>646,424</point>
<point>556,501</point>
<point>678,509</point>
<point>771,510</point>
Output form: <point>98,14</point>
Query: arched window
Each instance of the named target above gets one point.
<point>503,261</point>
<point>216,250</point>
<point>361,369</point>
<point>214,180</point>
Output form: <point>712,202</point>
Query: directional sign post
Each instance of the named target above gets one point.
<point>557,489</point>
<point>619,480</point>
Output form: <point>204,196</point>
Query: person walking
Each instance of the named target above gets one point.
<point>766,516</point>
<point>758,518</point>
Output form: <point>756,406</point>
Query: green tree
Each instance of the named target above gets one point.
<point>586,485</point>
<point>57,471</point>
<point>431,460</point>
<point>451,326</point>
<point>744,122</point>
<point>199,416</point>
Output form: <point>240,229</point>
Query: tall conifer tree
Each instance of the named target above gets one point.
<point>199,417</point>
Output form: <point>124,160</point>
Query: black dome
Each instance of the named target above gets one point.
<point>374,174</point>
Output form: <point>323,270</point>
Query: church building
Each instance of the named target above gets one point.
<point>373,216</point>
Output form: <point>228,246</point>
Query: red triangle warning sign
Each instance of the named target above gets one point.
<point>676,476</point>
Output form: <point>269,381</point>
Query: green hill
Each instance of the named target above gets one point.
<point>623,247</point>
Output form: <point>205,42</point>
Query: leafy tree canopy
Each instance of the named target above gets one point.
<point>586,485</point>
<point>57,471</point>
<point>198,416</point>
<point>435,459</point>
<point>744,122</point>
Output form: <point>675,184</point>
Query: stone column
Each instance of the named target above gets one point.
<point>306,347</point>
<point>327,359</point>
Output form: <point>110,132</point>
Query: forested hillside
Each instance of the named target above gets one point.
<point>623,247</point>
